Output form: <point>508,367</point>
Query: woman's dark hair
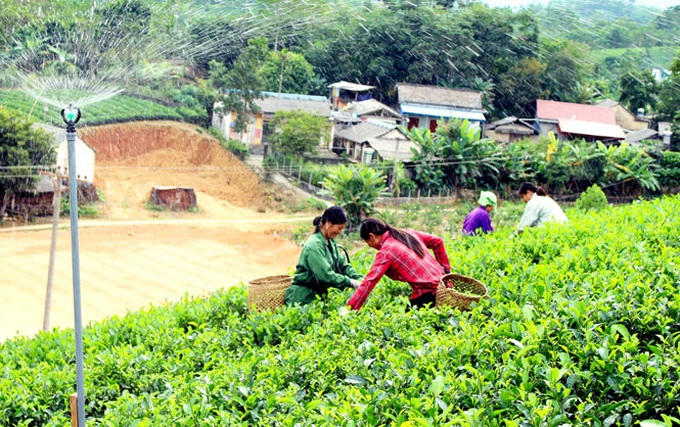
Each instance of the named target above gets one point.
<point>334,215</point>
<point>378,228</point>
<point>527,186</point>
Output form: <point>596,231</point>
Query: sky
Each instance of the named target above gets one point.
<point>661,4</point>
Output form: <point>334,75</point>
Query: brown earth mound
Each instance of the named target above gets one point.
<point>147,154</point>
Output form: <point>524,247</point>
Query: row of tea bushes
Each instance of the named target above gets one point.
<point>118,109</point>
<point>582,327</point>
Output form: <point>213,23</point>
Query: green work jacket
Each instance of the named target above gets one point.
<point>320,267</point>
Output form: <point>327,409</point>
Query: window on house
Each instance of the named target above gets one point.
<point>413,122</point>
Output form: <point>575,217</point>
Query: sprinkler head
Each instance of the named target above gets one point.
<point>70,115</point>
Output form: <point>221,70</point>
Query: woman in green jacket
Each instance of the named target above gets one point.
<point>321,266</point>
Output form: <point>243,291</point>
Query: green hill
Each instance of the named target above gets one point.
<point>649,58</point>
<point>581,327</point>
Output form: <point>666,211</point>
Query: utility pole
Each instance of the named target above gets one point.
<point>393,184</point>
<point>56,210</point>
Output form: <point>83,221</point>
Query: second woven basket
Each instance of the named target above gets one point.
<point>459,291</point>
<point>267,293</point>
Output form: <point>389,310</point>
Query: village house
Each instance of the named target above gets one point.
<point>624,118</point>
<point>342,93</point>
<point>569,120</point>
<point>423,105</point>
<point>85,154</point>
<point>372,141</point>
<point>39,201</point>
<point>257,128</point>
<point>511,129</point>
<point>357,111</point>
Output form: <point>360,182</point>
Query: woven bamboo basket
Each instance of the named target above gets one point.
<point>459,291</point>
<point>266,293</point>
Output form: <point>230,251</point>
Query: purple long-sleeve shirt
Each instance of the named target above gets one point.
<point>478,218</point>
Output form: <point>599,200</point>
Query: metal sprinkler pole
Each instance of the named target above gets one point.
<point>71,115</point>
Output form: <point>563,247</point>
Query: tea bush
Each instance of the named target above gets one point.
<point>581,327</point>
<point>669,169</point>
<point>593,198</point>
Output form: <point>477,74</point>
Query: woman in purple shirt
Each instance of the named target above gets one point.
<point>479,218</point>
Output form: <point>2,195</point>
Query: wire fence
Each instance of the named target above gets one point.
<point>304,180</point>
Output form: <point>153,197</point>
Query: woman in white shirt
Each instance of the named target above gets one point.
<point>540,208</point>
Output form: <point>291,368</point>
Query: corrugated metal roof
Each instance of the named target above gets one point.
<point>353,87</point>
<point>439,96</point>
<point>640,135</point>
<point>364,131</point>
<point>387,147</point>
<point>266,94</point>
<point>502,122</point>
<point>515,129</point>
<point>555,110</point>
<point>594,129</point>
<point>441,112</point>
<point>319,106</point>
<point>368,106</point>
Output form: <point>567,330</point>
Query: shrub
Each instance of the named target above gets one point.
<point>669,169</point>
<point>236,148</point>
<point>592,198</point>
<point>233,146</point>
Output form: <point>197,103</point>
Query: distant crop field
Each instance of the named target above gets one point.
<point>121,108</point>
<point>653,57</point>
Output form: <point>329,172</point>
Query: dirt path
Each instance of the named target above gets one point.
<point>131,257</point>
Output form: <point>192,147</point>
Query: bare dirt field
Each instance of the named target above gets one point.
<point>132,256</point>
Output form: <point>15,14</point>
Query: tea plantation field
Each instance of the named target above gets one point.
<point>582,327</point>
<point>121,108</point>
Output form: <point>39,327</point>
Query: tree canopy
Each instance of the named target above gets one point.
<point>24,151</point>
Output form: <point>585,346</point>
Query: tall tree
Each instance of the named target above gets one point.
<point>500,41</point>
<point>519,88</point>
<point>567,65</point>
<point>638,90</point>
<point>287,72</point>
<point>241,85</point>
<point>669,97</point>
<point>23,151</point>
<point>298,133</point>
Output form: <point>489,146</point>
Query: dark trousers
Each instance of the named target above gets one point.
<point>423,300</point>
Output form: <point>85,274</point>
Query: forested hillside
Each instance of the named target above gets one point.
<point>184,52</point>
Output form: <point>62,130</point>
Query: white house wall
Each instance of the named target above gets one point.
<point>85,158</point>
<point>222,123</point>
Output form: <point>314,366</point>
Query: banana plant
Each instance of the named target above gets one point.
<point>469,160</point>
<point>428,173</point>
<point>626,163</point>
<point>356,189</point>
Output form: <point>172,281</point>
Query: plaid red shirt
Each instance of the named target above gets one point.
<point>398,262</point>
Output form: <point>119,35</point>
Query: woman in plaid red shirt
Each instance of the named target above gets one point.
<point>402,255</point>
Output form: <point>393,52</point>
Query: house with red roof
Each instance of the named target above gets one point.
<point>568,120</point>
